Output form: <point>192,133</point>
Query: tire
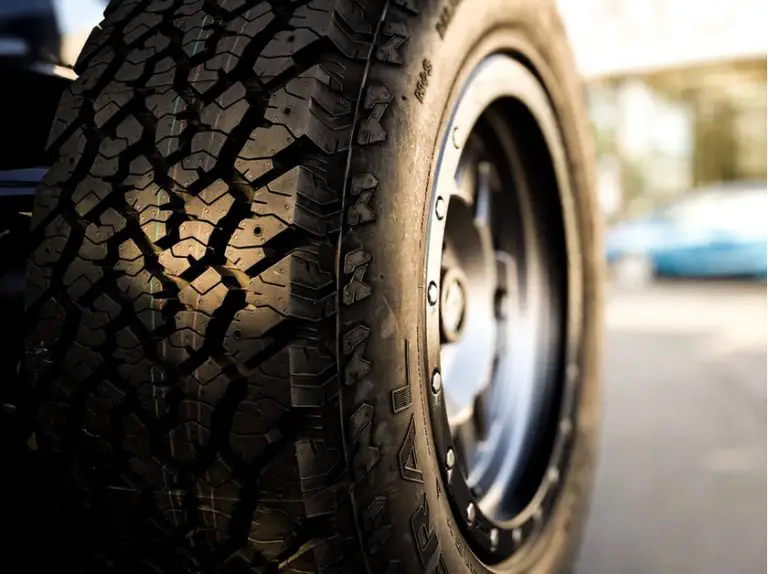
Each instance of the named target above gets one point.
<point>225,298</point>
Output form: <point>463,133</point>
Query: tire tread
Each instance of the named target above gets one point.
<point>182,288</point>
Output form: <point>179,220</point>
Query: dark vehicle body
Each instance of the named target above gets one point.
<point>39,44</point>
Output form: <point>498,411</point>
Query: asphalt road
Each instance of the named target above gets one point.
<point>681,486</point>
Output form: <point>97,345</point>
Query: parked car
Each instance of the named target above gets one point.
<point>297,287</point>
<point>720,231</point>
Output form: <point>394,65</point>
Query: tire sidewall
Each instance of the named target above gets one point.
<point>411,510</point>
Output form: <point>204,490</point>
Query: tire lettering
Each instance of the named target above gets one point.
<point>406,456</point>
<point>423,82</point>
<point>446,16</point>
<point>426,539</point>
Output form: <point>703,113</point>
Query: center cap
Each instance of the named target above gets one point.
<point>453,305</point>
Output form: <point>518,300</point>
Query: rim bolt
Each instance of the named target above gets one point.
<point>440,207</point>
<point>471,512</point>
<point>432,293</point>
<point>437,384</point>
<point>450,459</point>
<point>494,538</point>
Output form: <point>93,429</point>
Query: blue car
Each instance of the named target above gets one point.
<point>714,232</point>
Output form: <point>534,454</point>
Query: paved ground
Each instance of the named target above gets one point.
<point>681,487</point>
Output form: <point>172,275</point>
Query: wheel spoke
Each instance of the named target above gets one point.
<point>468,361</point>
<point>447,356</point>
<point>465,442</point>
<point>506,283</point>
<point>465,181</point>
<point>483,200</point>
<point>449,254</point>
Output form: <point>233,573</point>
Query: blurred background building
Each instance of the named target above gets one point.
<point>677,94</point>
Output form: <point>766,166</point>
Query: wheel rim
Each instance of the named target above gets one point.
<point>501,307</point>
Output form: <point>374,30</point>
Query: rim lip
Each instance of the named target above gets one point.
<point>496,541</point>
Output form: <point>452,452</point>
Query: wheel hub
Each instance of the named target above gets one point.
<point>496,302</point>
<point>453,304</point>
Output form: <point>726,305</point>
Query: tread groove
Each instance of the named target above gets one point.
<point>184,329</point>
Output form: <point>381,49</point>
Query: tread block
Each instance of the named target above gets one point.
<point>182,287</point>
